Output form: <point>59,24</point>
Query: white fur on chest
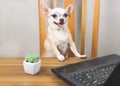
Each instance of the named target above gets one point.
<point>58,36</point>
<point>61,36</point>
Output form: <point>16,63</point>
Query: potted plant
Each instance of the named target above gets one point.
<point>31,64</point>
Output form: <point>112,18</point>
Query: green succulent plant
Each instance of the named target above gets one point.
<point>32,58</point>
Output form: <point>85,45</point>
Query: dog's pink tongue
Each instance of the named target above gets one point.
<point>60,25</point>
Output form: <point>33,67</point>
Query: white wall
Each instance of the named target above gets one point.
<point>109,27</point>
<point>19,29</point>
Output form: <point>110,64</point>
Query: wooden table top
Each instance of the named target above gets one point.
<point>12,73</point>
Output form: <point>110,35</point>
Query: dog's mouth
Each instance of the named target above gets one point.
<point>60,25</point>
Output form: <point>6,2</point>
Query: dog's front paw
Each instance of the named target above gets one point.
<point>81,56</point>
<point>60,57</point>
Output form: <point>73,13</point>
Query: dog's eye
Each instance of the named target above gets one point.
<point>65,15</point>
<point>54,16</point>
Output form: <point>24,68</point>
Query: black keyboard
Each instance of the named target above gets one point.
<point>95,76</point>
<point>88,73</point>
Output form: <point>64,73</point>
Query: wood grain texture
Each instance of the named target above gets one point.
<point>54,3</point>
<point>12,73</point>
<point>95,29</point>
<point>42,29</point>
<point>83,28</point>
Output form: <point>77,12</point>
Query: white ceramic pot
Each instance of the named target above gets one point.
<point>31,68</point>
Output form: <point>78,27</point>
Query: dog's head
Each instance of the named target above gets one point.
<point>57,17</point>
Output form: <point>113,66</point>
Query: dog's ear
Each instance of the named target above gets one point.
<point>69,9</point>
<point>45,9</point>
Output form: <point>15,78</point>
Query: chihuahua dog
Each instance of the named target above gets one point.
<point>58,38</point>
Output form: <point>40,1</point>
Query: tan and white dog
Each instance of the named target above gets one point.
<point>58,38</point>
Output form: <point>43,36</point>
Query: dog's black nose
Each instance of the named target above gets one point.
<point>62,20</point>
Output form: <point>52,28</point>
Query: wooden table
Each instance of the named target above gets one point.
<point>12,73</point>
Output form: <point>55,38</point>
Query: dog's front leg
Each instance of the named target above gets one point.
<point>56,51</point>
<point>74,49</point>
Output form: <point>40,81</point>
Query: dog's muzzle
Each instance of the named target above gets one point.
<point>61,24</point>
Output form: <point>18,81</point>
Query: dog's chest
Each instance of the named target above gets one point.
<point>61,36</point>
